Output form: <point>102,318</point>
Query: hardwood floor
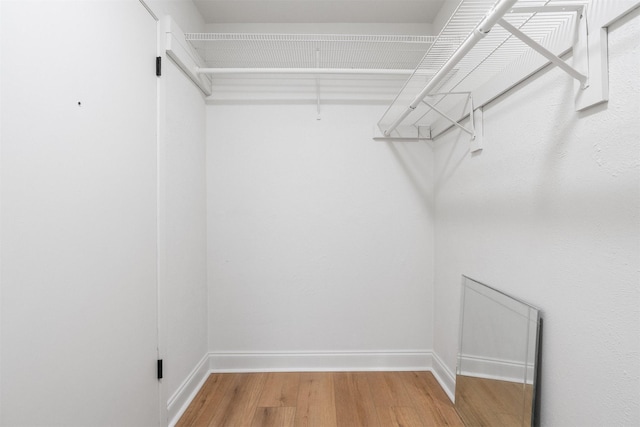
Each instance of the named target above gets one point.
<point>321,399</point>
<point>492,403</point>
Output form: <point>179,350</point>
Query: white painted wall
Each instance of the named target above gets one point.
<point>319,238</point>
<point>181,210</point>
<point>183,214</point>
<point>1,214</point>
<point>550,212</point>
<point>182,220</point>
<point>183,12</point>
<point>445,12</point>
<point>79,336</point>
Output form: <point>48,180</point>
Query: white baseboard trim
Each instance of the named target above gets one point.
<point>418,360</point>
<point>180,400</point>
<point>496,369</point>
<point>445,377</point>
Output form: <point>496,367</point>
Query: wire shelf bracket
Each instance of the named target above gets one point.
<point>556,60</point>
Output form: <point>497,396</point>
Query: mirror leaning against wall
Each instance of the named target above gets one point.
<point>498,358</point>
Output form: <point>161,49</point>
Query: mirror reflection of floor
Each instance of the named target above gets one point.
<point>493,403</point>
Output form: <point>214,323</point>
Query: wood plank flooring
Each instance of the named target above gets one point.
<point>321,399</point>
<point>492,403</point>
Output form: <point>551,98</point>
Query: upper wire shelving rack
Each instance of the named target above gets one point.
<point>236,53</point>
<point>494,52</point>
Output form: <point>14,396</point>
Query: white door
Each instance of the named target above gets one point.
<point>78,214</point>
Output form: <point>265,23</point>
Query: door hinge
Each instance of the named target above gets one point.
<point>159,369</point>
<point>158,66</point>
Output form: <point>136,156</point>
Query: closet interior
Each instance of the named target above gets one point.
<point>201,187</point>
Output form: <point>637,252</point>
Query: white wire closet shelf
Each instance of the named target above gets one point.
<point>453,73</point>
<point>313,53</point>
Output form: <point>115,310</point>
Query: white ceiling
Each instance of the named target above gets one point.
<point>318,11</point>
